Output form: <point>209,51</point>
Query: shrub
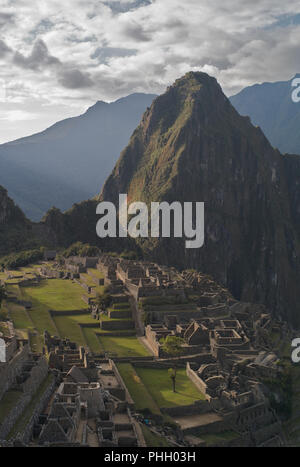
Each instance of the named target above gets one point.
<point>18,260</point>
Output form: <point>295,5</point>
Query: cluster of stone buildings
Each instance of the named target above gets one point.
<point>225,353</point>
<point>90,406</point>
<point>21,375</point>
<point>84,402</point>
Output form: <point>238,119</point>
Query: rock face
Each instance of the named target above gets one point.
<point>192,145</point>
<point>15,230</point>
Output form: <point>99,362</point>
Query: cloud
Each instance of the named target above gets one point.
<point>4,49</point>
<point>39,57</point>
<point>104,49</point>
<point>75,79</point>
<point>6,18</point>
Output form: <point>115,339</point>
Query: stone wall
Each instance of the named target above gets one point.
<point>13,416</point>
<point>198,382</point>
<point>37,375</point>
<point>9,371</point>
<point>116,325</point>
<point>40,406</point>
<point>31,385</point>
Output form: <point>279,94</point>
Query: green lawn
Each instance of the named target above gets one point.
<point>69,326</point>
<point>54,294</point>
<point>92,339</point>
<point>87,279</point>
<point>95,272</point>
<point>128,346</point>
<point>159,385</point>
<point>137,389</point>
<point>8,402</point>
<point>19,316</point>
<point>57,294</point>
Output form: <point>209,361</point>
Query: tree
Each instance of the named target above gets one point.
<point>103,300</point>
<point>2,293</point>
<point>172,346</point>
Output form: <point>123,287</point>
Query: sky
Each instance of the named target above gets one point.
<point>58,57</point>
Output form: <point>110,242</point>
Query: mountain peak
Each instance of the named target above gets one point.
<point>98,105</point>
<point>193,146</point>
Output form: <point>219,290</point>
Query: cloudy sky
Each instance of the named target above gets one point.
<point>57,57</point>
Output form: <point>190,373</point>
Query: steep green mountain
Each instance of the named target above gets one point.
<point>69,161</point>
<point>192,145</point>
<point>270,106</point>
<point>16,231</point>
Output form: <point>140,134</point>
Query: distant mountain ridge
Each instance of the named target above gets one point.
<point>69,161</point>
<point>270,106</point>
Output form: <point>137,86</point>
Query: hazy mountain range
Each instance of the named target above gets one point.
<point>69,161</point>
<point>270,106</point>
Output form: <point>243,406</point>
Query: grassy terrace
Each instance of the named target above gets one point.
<point>92,340</point>
<point>159,385</point>
<point>54,294</point>
<point>64,297</point>
<point>138,391</point>
<point>19,316</point>
<point>22,421</point>
<point>96,273</point>
<point>87,279</point>
<point>8,402</point>
<point>69,326</point>
<point>57,294</point>
<point>127,346</point>
<point>152,388</point>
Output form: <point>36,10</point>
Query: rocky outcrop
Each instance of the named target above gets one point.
<point>15,230</point>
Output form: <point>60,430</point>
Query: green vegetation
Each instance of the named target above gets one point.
<point>2,294</point>
<point>153,440</point>
<point>152,389</point>
<point>128,346</point>
<point>138,391</point>
<point>16,260</point>
<point>131,255</point>
<point>19,316</point>
<point>35,342</point>
<point>157,382</point>
<point>172,346</point>
<point>22,421</point>
<point>81,249</point>
<point>57,294</point>
<point>96,273</point>
<point>103,300</point>
<point>92,339</point>
<point>8,402</point>
<point>68,328</point>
